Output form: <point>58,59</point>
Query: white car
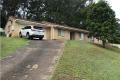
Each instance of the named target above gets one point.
<point>32,31</point>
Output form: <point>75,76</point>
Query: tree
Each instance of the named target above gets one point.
<point>35,10</point>
<point>116,38</point>
<point>10,8</point>
<point>68,12</point>
<point>101,21</point>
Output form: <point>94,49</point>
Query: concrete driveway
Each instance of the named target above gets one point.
<point>35,61</point>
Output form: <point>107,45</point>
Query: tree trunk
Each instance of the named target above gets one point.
<point>104,43</point>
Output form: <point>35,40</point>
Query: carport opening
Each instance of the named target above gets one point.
<point>72,35</point>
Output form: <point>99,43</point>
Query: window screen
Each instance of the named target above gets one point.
<point>60,32</point>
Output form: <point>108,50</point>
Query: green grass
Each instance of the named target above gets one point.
<point>9,45</point>
<point>85,61</point>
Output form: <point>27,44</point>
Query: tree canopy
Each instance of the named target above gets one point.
<point>101,20</point>
<point>69,12</point>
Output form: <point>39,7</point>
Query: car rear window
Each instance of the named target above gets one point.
<point>37,27</point>
<point>28,27</point>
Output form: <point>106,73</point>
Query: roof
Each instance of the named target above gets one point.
<point>64,27</point>
<point>49,24</point>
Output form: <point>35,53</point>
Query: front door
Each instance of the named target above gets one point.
<point>72,35</point>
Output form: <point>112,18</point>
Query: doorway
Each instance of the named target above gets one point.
<point>72,35</point>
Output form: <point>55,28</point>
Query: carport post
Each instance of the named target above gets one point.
<point>52,32</point>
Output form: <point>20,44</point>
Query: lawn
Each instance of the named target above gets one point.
<point>85,61</point>
<point>9,45</point>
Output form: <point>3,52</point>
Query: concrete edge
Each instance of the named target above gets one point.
<point>60,52</point>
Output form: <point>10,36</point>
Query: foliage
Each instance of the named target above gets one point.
<point>10,8</point>
<point>69,12</point>
<point>101,21</point>
<point>116,37</point>
<point>65,11</point>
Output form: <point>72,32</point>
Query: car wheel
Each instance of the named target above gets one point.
<point>20,35</point>
<point>40,38</point>
<point>27,36</point>
<point>31,38</point>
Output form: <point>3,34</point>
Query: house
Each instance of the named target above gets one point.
<point>52,30</point>
<point>2,32</point>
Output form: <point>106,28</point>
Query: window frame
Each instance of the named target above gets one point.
<point>61,32</point>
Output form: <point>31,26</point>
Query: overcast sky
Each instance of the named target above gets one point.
<point>115,4</point>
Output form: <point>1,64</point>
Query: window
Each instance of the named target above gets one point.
<point>37,27</point>
<point>81,36</point>
<point>60,32</point>
<point>28,27</point>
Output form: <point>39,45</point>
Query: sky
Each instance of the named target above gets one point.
<point>115,5</point>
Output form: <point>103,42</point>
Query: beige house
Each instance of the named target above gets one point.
<point>52,30</point>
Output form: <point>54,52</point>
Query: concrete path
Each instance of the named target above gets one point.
<point>36,61</point>
<point>117,45</point>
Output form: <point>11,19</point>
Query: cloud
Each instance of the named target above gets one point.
<point>115,5</point>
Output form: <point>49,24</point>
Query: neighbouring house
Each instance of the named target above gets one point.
<point>2,32</point>
<point>52,30</point>
<point>115,45</point>
<point>1,29</point>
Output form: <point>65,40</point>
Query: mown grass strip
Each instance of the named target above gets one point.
<point>85,61</point>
